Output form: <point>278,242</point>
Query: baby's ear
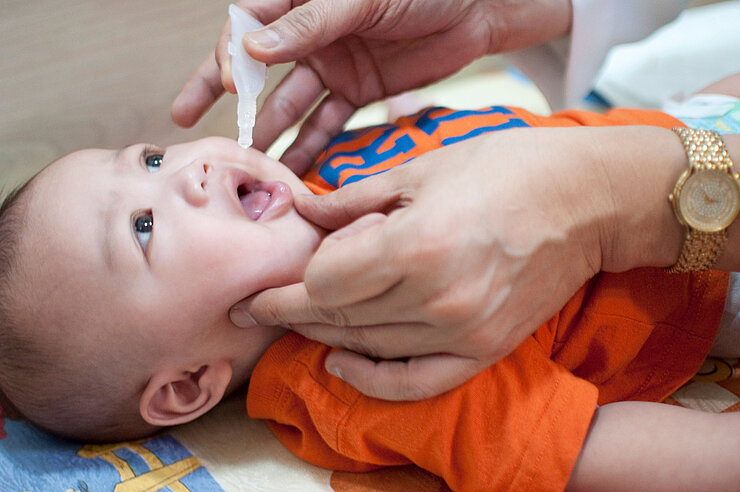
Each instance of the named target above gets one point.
<point>173,397</point>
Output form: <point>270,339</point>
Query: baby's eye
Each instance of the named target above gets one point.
<point>143,225</point>
<point>153,162</point>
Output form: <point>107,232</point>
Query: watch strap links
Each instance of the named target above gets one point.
<point>699,252</point>
<point>705,150</point>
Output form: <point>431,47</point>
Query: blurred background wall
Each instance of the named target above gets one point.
<point>103,73</point>
<point>90,73</point>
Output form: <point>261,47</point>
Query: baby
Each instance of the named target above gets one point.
<point>119,269</point>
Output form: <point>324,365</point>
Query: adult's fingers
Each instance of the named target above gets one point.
<point>274,307</point>
<point>304,29</point>
<point>286,104</point>
<point>413,379</point>
<point>382,193</point>
<point>198,94</point>
<point>364,272</point>
<point>323,124</point>
<point>207,83</point>
<point>290,306</point>
<point>387,341</point>
<point>267,11</point>
<point>351,268</point>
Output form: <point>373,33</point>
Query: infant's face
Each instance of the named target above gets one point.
<point>157,244</point>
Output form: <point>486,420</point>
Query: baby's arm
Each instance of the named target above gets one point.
<point>650,446</point>
<point>729,86</point>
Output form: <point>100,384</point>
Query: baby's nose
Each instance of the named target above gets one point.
<point>194,180</point>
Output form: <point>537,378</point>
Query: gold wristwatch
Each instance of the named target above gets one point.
<point>706,199</point>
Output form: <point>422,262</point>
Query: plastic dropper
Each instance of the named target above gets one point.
<point>248,73</point>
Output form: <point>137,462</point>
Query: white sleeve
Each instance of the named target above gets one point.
<point>565,69</point>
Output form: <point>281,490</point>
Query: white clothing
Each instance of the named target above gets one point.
<point>679,59</point>
<point>564,70</point>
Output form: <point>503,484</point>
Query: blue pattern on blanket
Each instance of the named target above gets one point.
<point>727,122</point>
<point>33,460</point>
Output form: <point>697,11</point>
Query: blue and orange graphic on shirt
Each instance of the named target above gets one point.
<point>356,154</point>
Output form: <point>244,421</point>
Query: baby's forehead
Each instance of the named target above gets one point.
<point>82,157</point>
<point>60,213</point>
<point>50,189</point>
<point>62,282</point>
<point>80,163</point>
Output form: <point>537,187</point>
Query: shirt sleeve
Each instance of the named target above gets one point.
<point>565,69</point>
<point>519,425</point>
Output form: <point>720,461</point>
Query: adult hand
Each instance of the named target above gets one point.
<point>474,246</point>
<point>361,51</point>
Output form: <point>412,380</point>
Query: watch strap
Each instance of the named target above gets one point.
<point>699,252</point>
<point>705,150</point>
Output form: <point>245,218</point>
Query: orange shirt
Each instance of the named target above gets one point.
<point>520,424</point>
<point>357,154</point>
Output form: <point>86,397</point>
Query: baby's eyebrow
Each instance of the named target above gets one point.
<point>107,214</point>
<point>122,151</point>
<point>124,161</point>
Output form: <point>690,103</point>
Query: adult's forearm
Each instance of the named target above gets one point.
<point>641,165</point>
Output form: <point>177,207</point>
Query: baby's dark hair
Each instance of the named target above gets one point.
<point>38,382</point>
<point>12,212</point>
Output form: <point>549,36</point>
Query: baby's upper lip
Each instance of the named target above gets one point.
<point>239,182</point>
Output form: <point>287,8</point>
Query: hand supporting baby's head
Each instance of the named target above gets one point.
<point>122,270</point>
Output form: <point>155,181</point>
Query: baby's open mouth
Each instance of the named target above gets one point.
<point>255,200</point>
<point>262,198</point>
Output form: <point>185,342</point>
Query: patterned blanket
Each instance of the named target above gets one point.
<point>227,451</point>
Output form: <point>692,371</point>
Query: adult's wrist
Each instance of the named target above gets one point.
<point>641,166</point>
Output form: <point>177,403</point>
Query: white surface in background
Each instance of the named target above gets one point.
<point>708,397</point>
<point>242,454</point>
<point>700,47</point>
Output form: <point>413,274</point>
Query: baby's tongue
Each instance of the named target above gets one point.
<point>255,202</point>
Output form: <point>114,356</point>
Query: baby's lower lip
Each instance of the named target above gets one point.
<point>266,199</point>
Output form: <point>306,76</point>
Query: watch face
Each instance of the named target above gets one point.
<point>709,200</point>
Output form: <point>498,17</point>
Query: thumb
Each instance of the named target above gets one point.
<point>356,227</point>
<point>381,193</point>
<point>306,28</point>
<point>413,379</point>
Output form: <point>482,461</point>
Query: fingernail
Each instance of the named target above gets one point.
<point>336,372</point>
<point>266,38</point>
<point>241,318</point>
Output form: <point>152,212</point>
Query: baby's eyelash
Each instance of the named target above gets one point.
<point>150,149</point>
<point>151,157</point>
<point>142,224</point>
